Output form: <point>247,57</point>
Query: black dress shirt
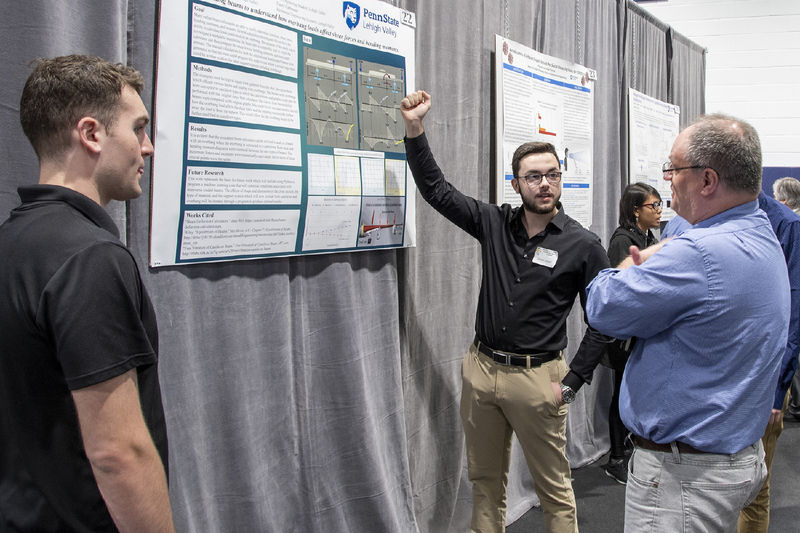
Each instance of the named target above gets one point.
<point>523,304</point>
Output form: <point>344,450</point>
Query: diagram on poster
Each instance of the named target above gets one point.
<point>330,94</point>
<point>652,127</point>
<point>381,221</point>
<point>381,88</point>
<point>543,98</point>
<point>278,129</point>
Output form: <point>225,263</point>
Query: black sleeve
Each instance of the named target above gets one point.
<point>593,344</point>
<point>458,208</point>
<point>92,308</point>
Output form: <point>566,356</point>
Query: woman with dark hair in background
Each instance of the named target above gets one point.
<point>639,212</point>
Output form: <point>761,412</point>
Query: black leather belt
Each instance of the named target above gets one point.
<point>667,448</point>
<point>511,359</point>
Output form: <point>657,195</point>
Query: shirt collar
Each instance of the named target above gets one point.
<point>739,211</point>
<point>85,205</point>
<point>559,221</point>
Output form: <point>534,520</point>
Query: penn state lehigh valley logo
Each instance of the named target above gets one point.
<point>351,13</point>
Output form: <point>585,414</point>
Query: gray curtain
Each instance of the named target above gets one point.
<point>688,71</point>
<point>320,393</point>
<point>646,58</point>
<point>646,64</point>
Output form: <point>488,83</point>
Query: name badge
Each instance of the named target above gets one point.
<point>545,257</point>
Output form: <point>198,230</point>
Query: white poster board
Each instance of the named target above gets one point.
<point>652,128</point>
<point>278,129</point>
<point>543,98</point>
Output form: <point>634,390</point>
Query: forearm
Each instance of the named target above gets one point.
<point>134,486</point>
<point>414,128</point>
<point>124,459</point>
<point>587,358</point>
<point>637,256</point>
<point>625,263</point>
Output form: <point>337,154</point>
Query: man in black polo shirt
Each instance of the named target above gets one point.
<point>84,443</point>
<point>536,259</point>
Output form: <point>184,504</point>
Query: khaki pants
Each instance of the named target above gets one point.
<point>497,400</point>
<point>755,517</point>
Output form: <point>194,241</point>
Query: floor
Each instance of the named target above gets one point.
<point>601,500</point>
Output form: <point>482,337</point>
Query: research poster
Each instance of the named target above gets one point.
<point>278,131</point>
<point>543,98</point>
<point>652,128</point>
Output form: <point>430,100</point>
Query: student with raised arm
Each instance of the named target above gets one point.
<point>536,260</point>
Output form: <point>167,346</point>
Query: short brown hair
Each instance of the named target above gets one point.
<point>62,90</point>
<point>531,148</point>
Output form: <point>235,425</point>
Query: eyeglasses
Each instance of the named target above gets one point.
<point>667,168</point>
<point>655,205</point>
<point>553,178</point>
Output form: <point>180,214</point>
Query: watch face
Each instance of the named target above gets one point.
<point>567,394</point>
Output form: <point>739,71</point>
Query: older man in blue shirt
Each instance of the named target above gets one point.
<point>786,225</point>
<point>699,386</point>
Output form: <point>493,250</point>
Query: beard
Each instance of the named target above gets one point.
<point>530,205</point>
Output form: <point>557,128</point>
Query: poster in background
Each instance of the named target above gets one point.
<point>652,128</point>
<point>543,98</point>
<point>278,129</point>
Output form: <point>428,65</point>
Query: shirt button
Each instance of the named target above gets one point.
<point>518,280</point>
<point>511,304</point>
<point>503,329</point>
<point>525,255</point>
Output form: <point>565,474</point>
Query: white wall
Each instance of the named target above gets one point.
<point>752,65</point>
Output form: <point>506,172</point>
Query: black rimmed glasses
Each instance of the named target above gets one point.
<point>656,206</point>
<point>667,168</point>
<point>553,178</point>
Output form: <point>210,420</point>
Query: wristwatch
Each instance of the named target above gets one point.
<point>567,394</point>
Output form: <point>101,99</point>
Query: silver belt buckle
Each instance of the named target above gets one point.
<point>506,358</point>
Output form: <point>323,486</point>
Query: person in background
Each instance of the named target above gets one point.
<point>83,441</point>
<point>639,213</point>
<point>787,191</point>
<point>536,260</point>
<point>710,309</point>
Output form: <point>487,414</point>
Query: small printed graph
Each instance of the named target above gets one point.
<point>549,119</point>
<point>348,176</point>
<point>543,129</point>
<point>321,176</point>
<point>372,180</point>
<point>390,221</point>
<point>331,222</point>
<point>382,221</point>
<point>330,99</point>
<point>395,177</point>
<point>380,90</point>
<point>578,163</point>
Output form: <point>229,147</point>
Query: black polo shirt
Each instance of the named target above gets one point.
<point>525,297</point>
<point>74,313</point>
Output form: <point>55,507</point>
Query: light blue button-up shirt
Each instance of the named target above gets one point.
<point>704,369</point>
